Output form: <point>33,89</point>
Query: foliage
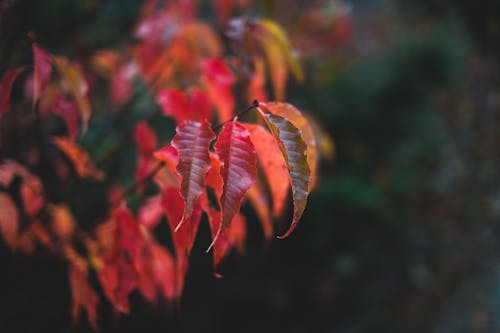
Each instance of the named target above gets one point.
<point>213,164</point>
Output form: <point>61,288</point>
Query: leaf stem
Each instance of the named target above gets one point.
<point>255,104</point>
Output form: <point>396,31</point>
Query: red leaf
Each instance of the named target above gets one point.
<point>42,71</point>
<point>83,295</point>
<point>6,83</point>
<point>79,158</point>
<point>68,110</point>
<point>238,171</point>
<point>192,141</point>
<point>273,165</point>
<point>151,211</point>
<point>183,238</point>
<point>181,106</point>
<point>121,87</point>
<point>9,219</point>
<point>218,80</point>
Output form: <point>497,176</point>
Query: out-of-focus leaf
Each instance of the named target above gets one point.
<point>83,295</point>
<point>9,220</point>
<point>145,139</point>
<point>42,71</point>
<point>192,141</point>
<point>6,82</point>
<point>298,120</point>
<point>293,149</point>
<point>272,164</point>
<point>80,159</point>
<point>68,110</point>
<point>63,222</point>
<point>261,206</point>
<point>278,53</point>
<point>193,105</point>
<point>256,89</point>
<point>237,155</point>
<point>77,84</point>
<point>150,211</point>
<point>218,80</point>
<point>121,85</point>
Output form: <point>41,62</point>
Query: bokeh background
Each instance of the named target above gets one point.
<point>401,234</point>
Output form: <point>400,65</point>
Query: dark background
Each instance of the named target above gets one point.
<point>402,233</point>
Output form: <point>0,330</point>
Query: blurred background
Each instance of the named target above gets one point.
<point>402,233</point>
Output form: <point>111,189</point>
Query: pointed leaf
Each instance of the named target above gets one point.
<point>192,141</point>
<point>293,149</point>
<point>237,155</point>
<point>9,220</point>
<point>6,82</point>
<point>42,71</point>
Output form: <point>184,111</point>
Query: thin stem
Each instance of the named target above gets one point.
<point>254,105</point>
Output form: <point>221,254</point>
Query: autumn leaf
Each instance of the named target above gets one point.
<point>42,71</point>
<point>293,149</point>
<point>260,204</point>
<point>9,220</point>
<point>83,295</point>
<point>298,120</point>
<point>193,105</point>
<point>192,141</point>
<point>68,110</point>
<point>63,222</point>
<point>80,159</point>
<point>272,164</point>
<point>77,84</point>
<point>237,155</point>
<point>218,80</point>
<point>6,83</point>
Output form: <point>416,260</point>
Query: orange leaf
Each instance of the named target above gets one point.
<point>273,165</point>
<point>9,220</point>
<point>293,149</point>
<point>298,120</point>
<point>80,159</point>
<point>83,295</point>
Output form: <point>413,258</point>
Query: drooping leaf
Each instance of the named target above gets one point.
<point>6,82</point>
<point>293,149</point>
<point>77,84</point>
<point>272,164</point>
<point>218,80</point>
<point>9,220</point>
<point>42,71</point>
<point>256,89</point>
<point>192,141</point>
<point>80,159</point>
<point>298,120</point>
<point>83,295</point>
<point>237,155</point>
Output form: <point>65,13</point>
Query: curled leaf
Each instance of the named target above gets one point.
<point>298,120</point>
<point>293,149</point>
